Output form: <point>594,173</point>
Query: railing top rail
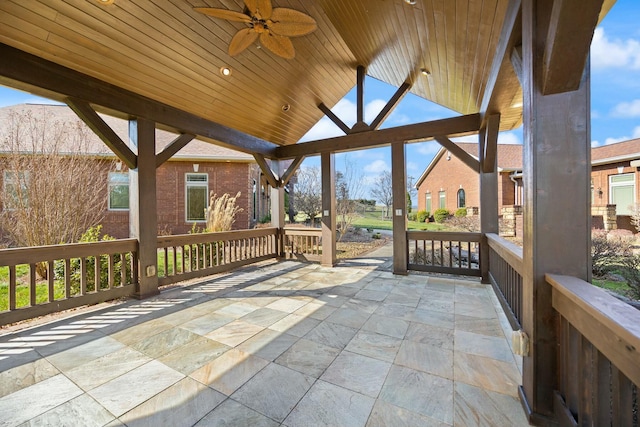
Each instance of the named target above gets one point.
<point>462,236</point>
<point>186,239</point>
<point>34,254</point>
<point>509,251</point>
<point>610,324</point>
<point>303,232</point>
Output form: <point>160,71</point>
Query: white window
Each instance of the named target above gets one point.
<point>461,198</point>
<point>196,192</point>
<point>443,200</point>
<point>428,203</point>
<point>118,191</point>
<point>622,193</point>
<point>15,190</point>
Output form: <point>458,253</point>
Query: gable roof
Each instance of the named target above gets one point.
<point>509,157</point>
<point>63,115</point>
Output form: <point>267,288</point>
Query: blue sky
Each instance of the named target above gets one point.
<point>615,99</point>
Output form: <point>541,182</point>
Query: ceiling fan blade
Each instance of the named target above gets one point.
<point>291,23</point>
<point>261,9</point>
<point>242,40</point>
<point>279,45</point>
<point>229,15</point>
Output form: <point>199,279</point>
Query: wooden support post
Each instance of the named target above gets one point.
<point>143,219</point>
<point>557,220</point>
<point>399,189</point>
<point>277,208</point>
<point>488,189</point>
<point>328,171</point>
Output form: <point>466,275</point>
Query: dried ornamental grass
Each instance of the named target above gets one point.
<point>221,212</point>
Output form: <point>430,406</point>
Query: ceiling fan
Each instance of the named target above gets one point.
<point>274,26</point>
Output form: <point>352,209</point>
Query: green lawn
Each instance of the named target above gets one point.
<point>379,224</point>
<point>621,288</point>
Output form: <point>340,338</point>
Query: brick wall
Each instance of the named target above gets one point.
<point>224,177</point>
<point>452,175</point>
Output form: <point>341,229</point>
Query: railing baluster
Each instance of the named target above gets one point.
<point>12,287</point>
<point>83,276</point>
<point>32,285</point>
<point>67,278</point>
<point>50,280</point>
<point>111,272</point>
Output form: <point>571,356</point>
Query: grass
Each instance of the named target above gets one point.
<point>23,294</point>
<point>373,219</point>
<point>621,288</point>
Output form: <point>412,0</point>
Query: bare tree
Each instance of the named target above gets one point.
<point>308,198</point>
<point>348,191</point>
<point>52,194</point>
<point>382,190</point>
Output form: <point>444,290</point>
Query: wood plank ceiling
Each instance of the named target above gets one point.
<point>165,50</point>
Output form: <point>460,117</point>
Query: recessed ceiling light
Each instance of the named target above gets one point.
<point>425,72</point>
<point>225,71</point>
<point>286,107</point>
<point>411,2</point>
<point>105,2</point>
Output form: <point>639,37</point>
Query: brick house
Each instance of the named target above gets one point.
<point>447,182</point>
<point>184,182</point>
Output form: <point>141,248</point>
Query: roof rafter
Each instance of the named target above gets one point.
<point>171,149</point>
<point>464,157</point>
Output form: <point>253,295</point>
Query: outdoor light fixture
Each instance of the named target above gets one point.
<point>195,167</point>
<point>425,72</point>
<point>225,71</point>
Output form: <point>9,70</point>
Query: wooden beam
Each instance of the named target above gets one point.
<point>568,42</point>
<point>490,144</point>
<point>171,149</point>
<point>55,81</point>
<point>361,73</point>
<point>391,105</point>
<point>266,170</point>
<point>328,178</point>
<point>335,119</point>
<point>461,125</point>
<point>293,167</point>
<point>104,131</point>
<point>464,157</point>
<point>502,50</point>
<point>516,62</point>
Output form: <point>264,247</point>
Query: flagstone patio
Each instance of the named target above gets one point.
<point>283,343</point>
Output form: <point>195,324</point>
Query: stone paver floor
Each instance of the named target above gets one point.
<point>280,344</point>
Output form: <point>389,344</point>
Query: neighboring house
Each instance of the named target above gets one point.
<point>447,182</point>
<point>450,184</point>
<point>184,183</point>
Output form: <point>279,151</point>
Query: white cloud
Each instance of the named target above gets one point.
<point>636,132</point>
<point>508,138</point>
<point>618,53</point>
<point>412,166</point>
<point>377,166</point>
<point>627,109</point>
<point>610,140</point>
<point>595,143</point>
<point>346,111</point>
<point>427,148</point>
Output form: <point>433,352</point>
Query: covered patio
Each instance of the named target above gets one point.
<point>282,343</point>
<point>219,76</point>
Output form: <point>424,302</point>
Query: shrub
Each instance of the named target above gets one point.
<point>607,253</point>
<point>630,270</point>
<point>89,236</point>
<point>440,215</point>
<point>421,216</point>
<point>460,213</point>
<point>412,216</point>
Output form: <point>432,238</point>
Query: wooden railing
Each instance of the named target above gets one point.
<point>505,274</point>
<point>188,256</point>
<point>444,252</point>
<point>46,279</point>
<point>303,244</point>
<point>598,355</point>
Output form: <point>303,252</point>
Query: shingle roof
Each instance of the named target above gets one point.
<point>619,151</point>
<point>195,149</point>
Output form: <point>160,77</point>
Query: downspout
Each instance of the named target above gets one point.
<point>513,177</point>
